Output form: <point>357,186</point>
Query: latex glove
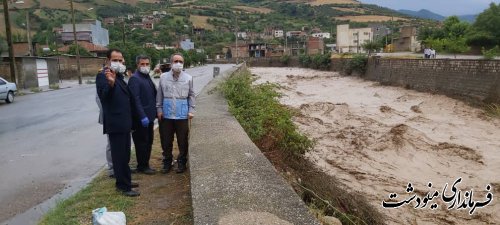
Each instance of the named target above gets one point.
<point>145,122</point>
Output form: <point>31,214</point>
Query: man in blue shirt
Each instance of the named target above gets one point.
<point>175,104</point>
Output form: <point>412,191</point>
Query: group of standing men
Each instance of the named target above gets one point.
<point>131,109</point>
<point>429,53</point>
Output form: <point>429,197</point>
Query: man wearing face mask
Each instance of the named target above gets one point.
<point>175,103</point>
<point>116,101</point>
<point>143,91</point>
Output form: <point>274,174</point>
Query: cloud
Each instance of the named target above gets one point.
<point>444,7</point>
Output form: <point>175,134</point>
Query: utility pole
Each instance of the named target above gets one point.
<point>9,41</point>
<point>236,29</point>
<point>30,46</point>
<point>123,33</point>
<point>76,43</point>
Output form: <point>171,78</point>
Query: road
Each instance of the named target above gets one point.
<point>51,140</point>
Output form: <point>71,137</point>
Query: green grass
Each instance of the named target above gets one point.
<point>267,122</point>
<point>35,89</point>
<point>493,110</point>
<point>78,208</point>
<point>54,86</point>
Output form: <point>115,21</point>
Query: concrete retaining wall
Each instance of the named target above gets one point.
<point>232,182</point>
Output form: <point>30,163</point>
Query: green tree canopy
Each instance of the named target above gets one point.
<point>486,29</point>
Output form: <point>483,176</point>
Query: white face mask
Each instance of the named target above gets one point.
<point>144,69</point>
<point>122,68</point>
<point>177,67</point>
<point>115,66</point>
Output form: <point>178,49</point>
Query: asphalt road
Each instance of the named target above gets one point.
<point>50,140</point>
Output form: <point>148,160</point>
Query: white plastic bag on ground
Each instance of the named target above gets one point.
<point>101,216</point>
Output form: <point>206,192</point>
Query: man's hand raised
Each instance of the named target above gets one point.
<point>111,77</point>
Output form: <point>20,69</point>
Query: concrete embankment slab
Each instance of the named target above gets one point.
<point>232,182</point>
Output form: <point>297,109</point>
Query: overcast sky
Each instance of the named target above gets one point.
<point>443,7</point>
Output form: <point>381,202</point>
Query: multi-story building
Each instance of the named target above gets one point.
<point>407,41</point>
<point>186,44</point>
<point>322,35</point>
<point>278,33</point>
<point>351,40</point>
<point>315,45</point>
<point>89,30</point>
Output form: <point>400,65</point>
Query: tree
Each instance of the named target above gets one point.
<point>454,28</point>
<point>371,46</point>
<point>486,29</point>
<point>456,46</point>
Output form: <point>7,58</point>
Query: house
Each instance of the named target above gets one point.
<point>147,24</point>
<point>242,35</point>
<point>275,50</point>
<point>95,50</point>
<point>351,40</point>
<point>407,41</point>
<point>237,51</point>
<point>278,33</point>
<point>89,31</point>
<point>379,31</point>
<point>199,31</point>
<point>257,50</point>
<point>296,34</point>
<point>321,35</point>
<point>186,44</point>
<point>315,45</point>
<point>108,21</point>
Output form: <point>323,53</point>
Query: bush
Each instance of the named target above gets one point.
<point>266,121</point>
<point>357,64</point>
<point>321,61</point>
<point>492,53</point>
<point>305,60</point>
<point>285,59</point>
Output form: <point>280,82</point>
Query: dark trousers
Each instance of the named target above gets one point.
<point>120,155</point>
<point>180,128</point>
<point>143,141</point>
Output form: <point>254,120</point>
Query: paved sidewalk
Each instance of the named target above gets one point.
<point>232,182</point>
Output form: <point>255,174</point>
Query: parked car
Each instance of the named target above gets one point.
<point>7,90</point>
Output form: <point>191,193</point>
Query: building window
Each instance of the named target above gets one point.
<point>366,33</point>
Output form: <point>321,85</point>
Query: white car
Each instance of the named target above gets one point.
<point>7,90</point>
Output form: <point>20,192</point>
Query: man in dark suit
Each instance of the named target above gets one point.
<point>143,92</point>
<point>116,103</point>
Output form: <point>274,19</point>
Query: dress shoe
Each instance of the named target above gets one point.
<point>131,193</point>
<point>147,171</point>
<point>181,168</point>
<point>166,169</point>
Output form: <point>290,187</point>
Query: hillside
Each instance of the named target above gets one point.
<point>423,13</point>
<point>219,18</point>
<point>426,14</point>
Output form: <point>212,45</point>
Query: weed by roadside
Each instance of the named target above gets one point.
<point>493,110</point>
<point>259,111</point>
<point>54,86</point>
<point>35,89</point>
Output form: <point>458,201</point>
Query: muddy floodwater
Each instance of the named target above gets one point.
<point>376,139</point>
